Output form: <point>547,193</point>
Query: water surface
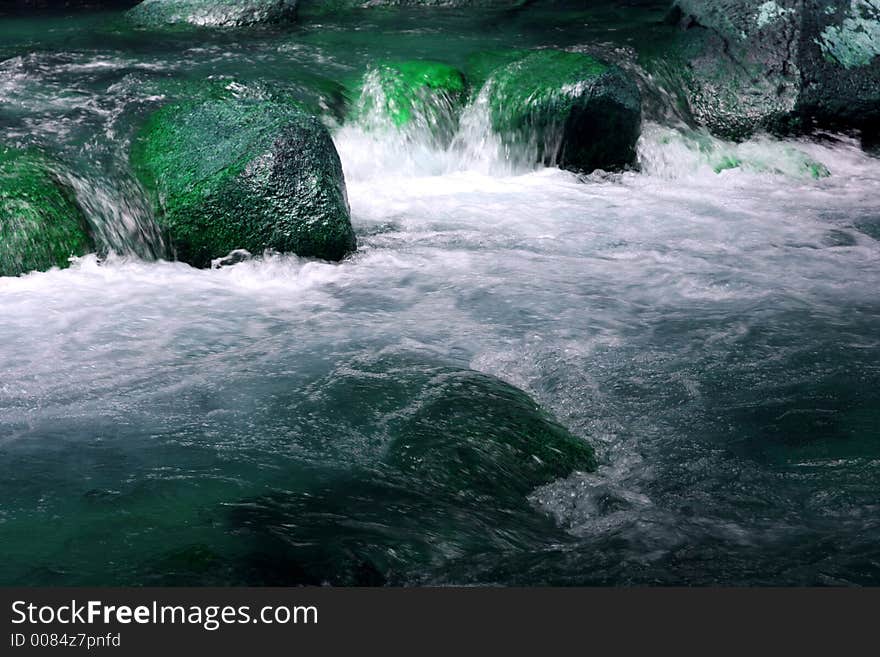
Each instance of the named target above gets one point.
<point>714,333</point>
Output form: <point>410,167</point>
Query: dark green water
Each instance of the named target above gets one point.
<point>715,336</point>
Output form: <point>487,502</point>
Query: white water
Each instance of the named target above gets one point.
<point>613,299</point>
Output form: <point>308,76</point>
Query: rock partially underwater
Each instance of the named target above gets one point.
<point>434,465</point>
<point>423,96</point>
<point>785,66</point>
<point>229,173</point>
<point>41,225</point>
<point>386,468</point>
<point>571,109</point>
<point>212,13</point>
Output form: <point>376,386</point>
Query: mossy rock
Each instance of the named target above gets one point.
<point>41,225</point>
<point>579,112</point>
<point>786,66</point>
<point>212,13</point>
<point>243,173</point>
<point>411,95</point>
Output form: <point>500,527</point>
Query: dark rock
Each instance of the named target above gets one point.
<point>786,66</point>
<point>432,464</point>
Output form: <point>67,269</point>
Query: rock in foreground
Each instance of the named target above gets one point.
<point>431,464</point>
<point>240,173</point>
<point>40,224</point>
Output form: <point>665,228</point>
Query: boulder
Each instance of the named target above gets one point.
<point>243,173</point>
<point>785,67</point>
<point>422,464</point>
<point>212,13</point>
<point>575,111</point>
<point>41,225</point>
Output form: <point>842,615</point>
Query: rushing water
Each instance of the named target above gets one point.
<point>714,332</point>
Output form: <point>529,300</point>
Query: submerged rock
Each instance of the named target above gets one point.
<point>415,96</point>
<point>577,112</point>
<point>212,13</point>
<point>40,224</point>
<point>783,66</point>
<point>431,464</point>
<point>244,173</point>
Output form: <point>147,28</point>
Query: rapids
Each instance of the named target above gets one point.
<point>709,323</point>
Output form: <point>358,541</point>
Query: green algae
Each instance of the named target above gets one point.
<point>480,66</point>
<point>40,224</point>
<point>727,162</point>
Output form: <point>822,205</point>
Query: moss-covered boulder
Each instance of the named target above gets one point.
<point>41,225</point>
<point>576,111</point>
<point>243,173</point>
<point>212,13</point>
<point>783,66</point>
<point>413,95</point>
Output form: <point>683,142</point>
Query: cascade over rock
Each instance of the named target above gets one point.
<point>425,96</point>
<point>574,110</point>
<point>40,224</point>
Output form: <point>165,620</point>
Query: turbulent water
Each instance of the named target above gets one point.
<point>710,323</point>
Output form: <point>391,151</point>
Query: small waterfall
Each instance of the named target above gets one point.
<point>119,215</point>
<point>437,139</point>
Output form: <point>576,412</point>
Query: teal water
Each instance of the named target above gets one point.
<point>714,332</point>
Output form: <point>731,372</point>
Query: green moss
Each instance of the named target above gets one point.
<point>40,224</point>
<point>817,170</point>
<point>856,41</point>
<point>242,173</point>
<point>480,66</point>
<point>544,79</point>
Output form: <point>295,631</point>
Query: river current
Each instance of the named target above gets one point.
<point>712,330</point>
